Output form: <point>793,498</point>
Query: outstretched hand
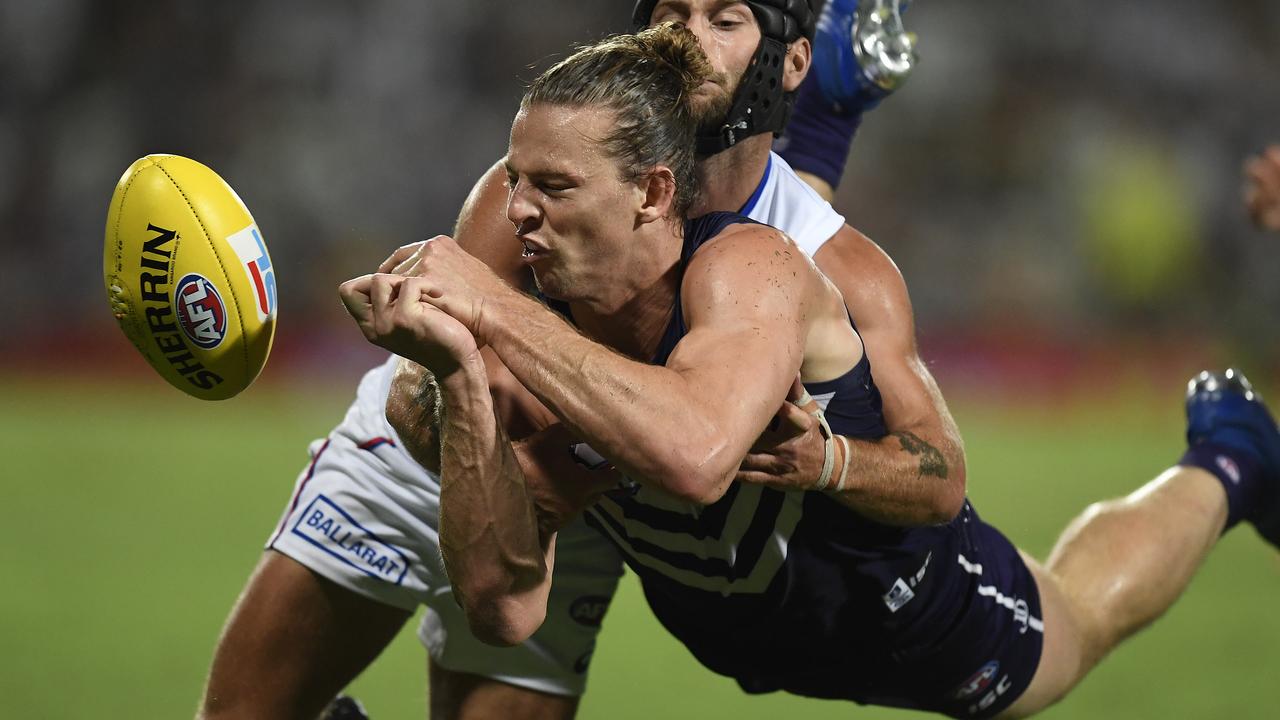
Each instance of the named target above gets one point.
<point>453,280</point>
<point>1262,188</point>
<point>394,312</point>
<point>425,303</point>
<point>403,258</point>
<point>789,454</point>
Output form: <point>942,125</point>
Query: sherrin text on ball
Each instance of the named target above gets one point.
<point>188,276</point>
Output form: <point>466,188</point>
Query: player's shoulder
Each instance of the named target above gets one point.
<point>484,231</point>
<point>871,284</point>
<point>745,256</point>
<point>745,241</point>
<point>850,251</point>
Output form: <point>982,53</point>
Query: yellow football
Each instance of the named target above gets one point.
<point>188,276</point>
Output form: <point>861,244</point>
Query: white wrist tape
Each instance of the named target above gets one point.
<point>829,457</point>
<point>828,449</point>
<point>828,452</point>
<point>844,471</point>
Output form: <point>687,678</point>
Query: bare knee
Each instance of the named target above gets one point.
<point>1100,512</point>
<point>1121,564</point>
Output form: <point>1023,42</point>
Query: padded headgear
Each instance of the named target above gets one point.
<point>759,104</point>
<point>783,20</point>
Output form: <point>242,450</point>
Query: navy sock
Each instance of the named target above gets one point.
<point>1238,471</point>
<point>818,137</point>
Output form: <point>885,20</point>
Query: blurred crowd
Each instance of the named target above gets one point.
<point>1053,173</point>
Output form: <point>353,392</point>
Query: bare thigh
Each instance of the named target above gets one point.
<point>293,641</point>
<point>463,696</point>
<point>1115,570</point>
<point>1064,656</point>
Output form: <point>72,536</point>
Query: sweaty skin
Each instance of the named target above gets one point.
<point>753,304</point>
<point>1092,595</point>
<point>914,476</point>
<point>291,618</point>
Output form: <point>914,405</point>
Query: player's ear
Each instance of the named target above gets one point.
<point>796,66</point>
<point>659,188</point>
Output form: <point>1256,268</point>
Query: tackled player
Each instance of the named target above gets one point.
<point>688,334</point>
<point>314,614</point>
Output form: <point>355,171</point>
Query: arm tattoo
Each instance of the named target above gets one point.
<point>931,461</point>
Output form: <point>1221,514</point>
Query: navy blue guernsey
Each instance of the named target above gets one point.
<point>751,582</point>
<point>794,591</point>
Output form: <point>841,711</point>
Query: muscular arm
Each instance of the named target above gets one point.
<point>685,426</point>
<point>496,556</point>
<point>501,501</point>
<point>916,474</point>
<point>499,563</point>
<point>484,231</point>
<point>492,545</point>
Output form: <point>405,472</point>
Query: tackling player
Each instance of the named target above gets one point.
<point>688,334</point>
<point>357,548</point>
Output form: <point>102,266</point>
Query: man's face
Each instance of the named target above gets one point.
<point>729,35</point>
<point>568,201</point>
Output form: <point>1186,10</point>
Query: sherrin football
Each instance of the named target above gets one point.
<point>188,276</point>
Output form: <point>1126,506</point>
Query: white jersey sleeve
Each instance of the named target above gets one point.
<point>786,202</point>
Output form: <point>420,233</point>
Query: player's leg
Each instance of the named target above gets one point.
<point>466,696</point>
<point>545,676</point>
<point>293,641</point>
<point>1123,563</point>
<point>861,53</point>
<point>1116,569</point>
<point>352,557</point>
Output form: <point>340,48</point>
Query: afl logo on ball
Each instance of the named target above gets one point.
<point>201,313</point>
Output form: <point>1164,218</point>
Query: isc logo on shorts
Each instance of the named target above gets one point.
<point>201,314</point>
<point>331,529</point>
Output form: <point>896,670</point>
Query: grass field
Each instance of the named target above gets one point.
<point>132,516</point>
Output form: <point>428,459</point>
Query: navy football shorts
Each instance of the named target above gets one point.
<point>948,622</point>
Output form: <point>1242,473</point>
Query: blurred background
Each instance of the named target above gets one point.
<point>1059,177</point>
<point>1060,184</point>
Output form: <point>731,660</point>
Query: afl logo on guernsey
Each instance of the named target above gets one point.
<point>201,313</point>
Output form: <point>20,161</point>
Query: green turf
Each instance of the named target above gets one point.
<point>132,516</point>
